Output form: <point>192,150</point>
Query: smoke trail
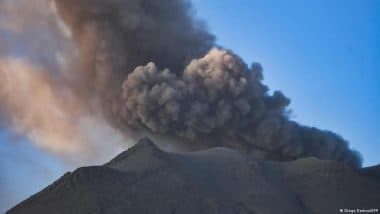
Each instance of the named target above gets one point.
<point>51,115</point>
<point>153,68</point>
<point>39,91</point>
<point>37,106</point>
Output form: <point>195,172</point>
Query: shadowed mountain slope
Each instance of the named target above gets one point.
<point>145,179</point>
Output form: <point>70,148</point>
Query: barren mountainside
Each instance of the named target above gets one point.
<point>145,179</point>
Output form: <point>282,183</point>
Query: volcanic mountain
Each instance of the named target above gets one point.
<point>146,179</point>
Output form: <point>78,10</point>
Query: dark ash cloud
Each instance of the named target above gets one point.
<point>220,100</point>
<point>156,70</point>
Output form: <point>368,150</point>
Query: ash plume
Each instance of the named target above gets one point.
<point>156,70</point>
<point>219,99</point>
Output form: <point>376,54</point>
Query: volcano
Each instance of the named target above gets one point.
<point>146,179</point>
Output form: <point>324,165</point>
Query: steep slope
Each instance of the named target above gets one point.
<point>145,179</point>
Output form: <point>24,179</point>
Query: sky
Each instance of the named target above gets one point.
<point>324,55</point>
<point>24,169</point>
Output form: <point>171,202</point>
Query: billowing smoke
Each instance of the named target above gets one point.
<point>156,70</point>
<point>219,99</point>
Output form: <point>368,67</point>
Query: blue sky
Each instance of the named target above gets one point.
<point>324,55</point>
<point>24,169</point>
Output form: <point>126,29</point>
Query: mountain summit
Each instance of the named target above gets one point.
<point>145,179</point>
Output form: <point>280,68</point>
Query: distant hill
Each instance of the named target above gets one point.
<point>145,179</point>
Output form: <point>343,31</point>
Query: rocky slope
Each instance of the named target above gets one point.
<point>145,179</point>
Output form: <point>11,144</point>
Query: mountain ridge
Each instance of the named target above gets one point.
<point>146,179</point>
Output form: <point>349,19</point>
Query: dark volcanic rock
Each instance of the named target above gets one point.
<point>145,179</point>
